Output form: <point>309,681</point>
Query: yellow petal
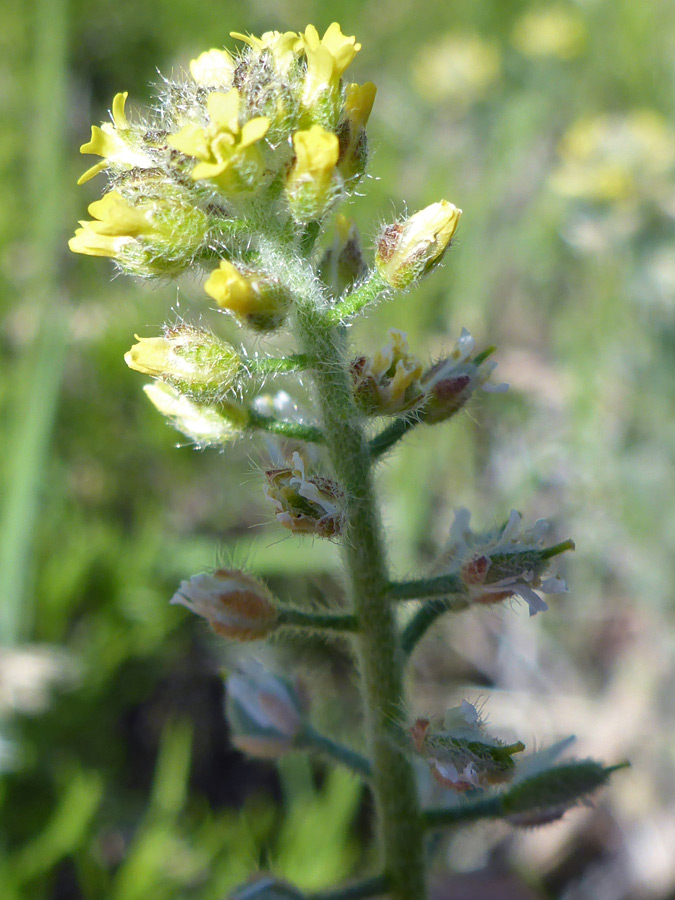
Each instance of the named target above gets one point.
<point>118,114</point>
<point>224,109</point>
<point>254,130</point>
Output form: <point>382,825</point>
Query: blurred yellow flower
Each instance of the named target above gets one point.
<point>458,67</point>
<point>113,141</point>
<point>227,153</point>
<point>612,157</point>
<point>213,68</point>
<point>552,31</point>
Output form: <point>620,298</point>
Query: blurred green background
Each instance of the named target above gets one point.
<point>552,127</point>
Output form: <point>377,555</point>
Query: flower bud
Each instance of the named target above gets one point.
<point>388,383</point>
<point>153,228</point>
<point>450,383</point>
<point>192,360</point>
<point>256,300</point>
<point>204,425</point>
<point>305,505</point>
<point>342,265</point>
<point>312,184</point>
<point>359,99</point>
<point>461,755</point>
<point>408,250</point>
<point>266,712</point>
<point>235,604</point>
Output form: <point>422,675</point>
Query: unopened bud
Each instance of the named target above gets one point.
<point>358,104</point>
<point>408,250</point>
<point>387,383</point>
<point>305,504</point>
<point>192,360</point>
<point>256,300</point>
<point>204,425</point>
<point>266,712</point>
<point>312,184</point>
<point>343,264</point>
<point>150,229</point>
<point>235,604</point>
<point>327,59</point>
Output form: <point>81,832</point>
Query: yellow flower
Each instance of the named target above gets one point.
<point>285,47</point>
<point>193,360</point>
<point>457,67</point>
<point>359,99</point>
<point>552,31</point>
<point>114,143</point>
<point>407,250</point>
<point>311,186</point>
<point>327,59</point>
<point>116,226</point>
<point>256,300</point>
<point>227,153</point>
<point>213,68</point>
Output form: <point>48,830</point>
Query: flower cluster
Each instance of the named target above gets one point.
<point>305,504</point>
<point>504,563</point>
<point>272,126</point>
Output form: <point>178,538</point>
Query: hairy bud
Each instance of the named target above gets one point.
<point>312,184</point>
<point>235,604</point>
<point>388,383</point>
<point>342,264</point>
<point>408,250</point>
<point>256,300</point>
<point>192,360</point>
<point>359,99</point>
<point>204,425</point>
<point>266,712</point>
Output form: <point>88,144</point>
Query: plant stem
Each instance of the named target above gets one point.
<point>313,740</point>
<point>489,808</point>
<point>400,827</point>
<point>367,292</point>
<point>424,618</point>
<point>391,435</point>
<point>272,365</point>
<point>436,586</point>
<point>300,618</point>
<point>297,430</point>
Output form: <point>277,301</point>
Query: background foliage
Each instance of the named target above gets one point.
<point>551,126</point>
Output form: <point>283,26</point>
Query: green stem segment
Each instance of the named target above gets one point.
<point>437,586</point>
<point>400,825</point>
<point>425,617</point>
<point>391,435</point>
<point>300,618</point>
<point>296,430</point>
<point>325,746</point>
<point>368,291</point>
<point>272,365</point>
<point>489,808</point>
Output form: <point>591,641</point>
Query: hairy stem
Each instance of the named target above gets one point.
<point>400,826</point>
<point>425,617</point>
<point>296,430</point>
<point>300,618</point>
<point>272,365</point>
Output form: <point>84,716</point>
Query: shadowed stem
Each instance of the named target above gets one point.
<point>325,746</point>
